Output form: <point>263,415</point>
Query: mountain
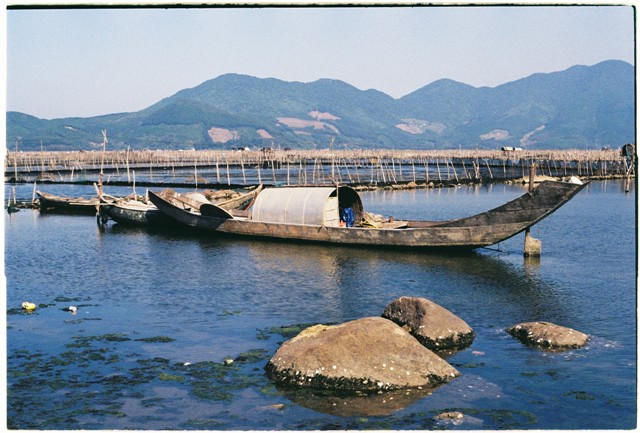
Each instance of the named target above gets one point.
<point>584,107</point>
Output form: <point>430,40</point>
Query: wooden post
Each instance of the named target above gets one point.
<point>15,163</point>
<point>259,177</point>
<point>127,162</point>
<point>244,179</point>
<point>532,246</point>
<point>273,169</point>
<point>454,172</point>
<point>104,147</point>
<point>134,183</point>
<point>489,168</point>
<point>195,172</point>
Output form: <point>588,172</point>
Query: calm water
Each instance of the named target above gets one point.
<point>159,312</point>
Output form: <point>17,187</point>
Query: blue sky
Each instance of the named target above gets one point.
<point>82,62</point>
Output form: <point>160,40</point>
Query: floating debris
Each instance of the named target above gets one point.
<point>29,306</point>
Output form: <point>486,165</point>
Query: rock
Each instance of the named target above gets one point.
<point>548,335</point>
<point>368,354</point>
<point>432,325</point>
<point>450,415</point>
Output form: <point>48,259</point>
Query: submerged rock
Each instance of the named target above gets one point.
<point>548,335</point>
<point>432,325</point>
<point>368,354</point>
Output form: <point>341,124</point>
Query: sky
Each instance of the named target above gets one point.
<point>89,62</point>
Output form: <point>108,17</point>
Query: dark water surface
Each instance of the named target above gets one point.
<point>159,312</point>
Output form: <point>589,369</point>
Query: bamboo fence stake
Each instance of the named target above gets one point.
<point>454,172</point>
<point>273,170</point>
<point>259,176</point>
<point>127,162</point>
<point>244,179</point>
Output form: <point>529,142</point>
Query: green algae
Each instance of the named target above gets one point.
<point>171,377</point>
<point>469,365</point>
<point>88,383</point>
<point>579,395</point>
<point>231,313</point>
<point>62,299</point>
<point>206,424</point>
<point>113,337</point>
<point>86,341</point>
<point>287,332</point>
<point>158,339</point>
<point>252,356</point>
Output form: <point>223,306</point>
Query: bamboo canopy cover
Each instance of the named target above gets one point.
<point>311,206</point>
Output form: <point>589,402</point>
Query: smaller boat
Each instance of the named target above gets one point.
<point>76,205</point>
<point>136,212</point>
<point>132,211</point>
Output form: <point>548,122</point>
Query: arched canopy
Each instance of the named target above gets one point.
<point>314,206</point>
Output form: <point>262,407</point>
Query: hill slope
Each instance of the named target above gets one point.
<point>581,107</point>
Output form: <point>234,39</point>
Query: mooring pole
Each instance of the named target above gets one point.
<point>532,246</point>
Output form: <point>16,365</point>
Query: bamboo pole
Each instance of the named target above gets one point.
<point>244,179</point>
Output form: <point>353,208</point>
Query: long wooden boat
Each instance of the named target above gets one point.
<point>142,213</point>
<point>49,202</point>
<point>313,214</point>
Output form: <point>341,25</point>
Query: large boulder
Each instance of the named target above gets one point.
<point>432,325</point>
<point>368,354</point>
<point>548,335</point>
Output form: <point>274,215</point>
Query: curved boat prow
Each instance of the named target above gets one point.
<point>525,211</point>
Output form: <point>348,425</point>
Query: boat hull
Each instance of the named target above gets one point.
<point>69,205</point>
<point>150,216</point>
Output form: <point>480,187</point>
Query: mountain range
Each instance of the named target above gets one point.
<point>582,107</point>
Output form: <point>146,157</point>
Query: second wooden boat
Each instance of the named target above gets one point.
<point>143,213</point>
<point>78,205</point>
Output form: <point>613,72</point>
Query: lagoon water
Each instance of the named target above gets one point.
<point>160,311</point>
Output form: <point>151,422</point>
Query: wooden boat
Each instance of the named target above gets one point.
<point>136,212</point>
<point>143,213</point>
<point>313,214</point>
<point>49,202</point>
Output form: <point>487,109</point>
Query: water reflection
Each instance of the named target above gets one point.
<point>352,282</point>
<point>356,404</point>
